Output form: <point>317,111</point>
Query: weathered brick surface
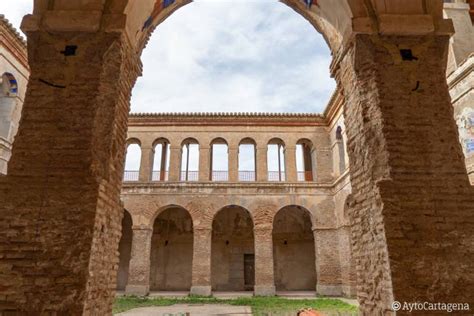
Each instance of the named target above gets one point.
<point>61,213</point>
<point>413,212</point>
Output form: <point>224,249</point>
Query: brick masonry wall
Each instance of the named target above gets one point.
<point>61,213</point>
<point>413,205</point>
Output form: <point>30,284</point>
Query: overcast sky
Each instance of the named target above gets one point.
<point>226,56</point>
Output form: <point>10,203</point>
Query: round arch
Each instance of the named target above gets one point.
<point>333,19</point>
<point>294,252</point>
<point>189,140</point>
<point>248,141</point>
<point>9,85</point>
<point>305,160</point>
<point>233,254</point>
<point>276,141</point>
<point>305,141</point>
<point>133,141</point>
<point>219,140</point>
<point>160,140</point>
<point>162,209</point>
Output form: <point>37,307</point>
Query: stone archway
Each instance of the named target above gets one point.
<point>294,250</point>
<point>407,167</point>
<point>232,254</point>
<point>171,251</point>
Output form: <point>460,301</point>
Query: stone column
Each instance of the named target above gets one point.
<point>139,268</point>
<point>261,164</point>
<point>146,164</point>
<point>264,274</point>
<point>328,270</point>
<point>201,280</point>
<point>204,163</point>
<point>233,164</point>
<point>413,204</point>
<point>290,164</point>
<point>61,212</point>
<point>175,164</point>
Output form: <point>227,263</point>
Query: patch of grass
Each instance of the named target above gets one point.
<point>261,306</point>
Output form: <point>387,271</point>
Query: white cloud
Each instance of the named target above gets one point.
<point>226,56</point>
<point>223,55</point>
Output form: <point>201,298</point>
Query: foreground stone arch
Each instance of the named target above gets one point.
<point>390,63</point>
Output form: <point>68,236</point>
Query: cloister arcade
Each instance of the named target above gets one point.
<point>410,218</point>
<point>242,215</point>
<point>220,154</point>
<point>233,260</point>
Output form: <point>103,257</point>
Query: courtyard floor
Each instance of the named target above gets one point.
<point>174,304</point>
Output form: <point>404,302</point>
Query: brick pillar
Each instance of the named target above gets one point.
<point>175,163</point>
<point>61,213</point>
<point>413,204</point>
<point>201,282</point>
<point>328,271</point>
<point>146,164</point>
<point>204,163</point>
<point>290,164</point>
<point>261,164</point>
<point>233,164</point>
<point>264,274</point>
<point>139,268</point>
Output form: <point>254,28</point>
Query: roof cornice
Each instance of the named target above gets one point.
<point>13,30</point>
<point>228,119</point>
<point>12,40</point>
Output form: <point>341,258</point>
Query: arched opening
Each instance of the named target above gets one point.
<point>219,160</point>
<point>125,251</point>
<point>8,105</point>
<point>304,160</point>
<point>132,161</point>
<point>190,160</point>
<point>161,160</point>
<point>294,250</point>
<point>276,160</point>
<point>171,251</point>
<point>341,150</point>
<point>9,85</point>
<point>233,256</point>
<point>247,160</point>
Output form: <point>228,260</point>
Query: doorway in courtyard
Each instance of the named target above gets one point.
<point>233,256</point>
<point>171,251</point>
